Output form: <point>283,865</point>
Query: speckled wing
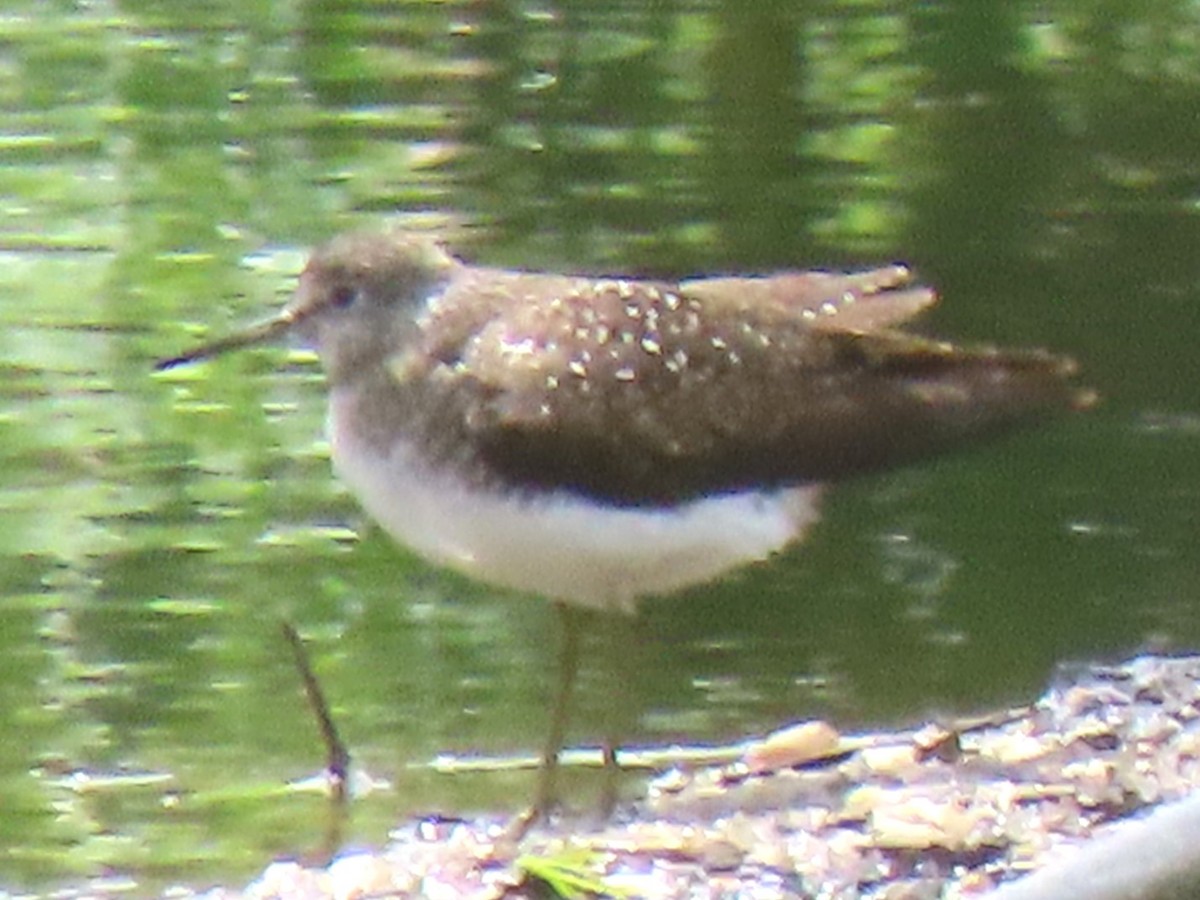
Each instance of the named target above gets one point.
<point>640,393</point>
<point>826,301</point>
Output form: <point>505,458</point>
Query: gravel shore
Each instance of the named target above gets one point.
<point>945,810</point>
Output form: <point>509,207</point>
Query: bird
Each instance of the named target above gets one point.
<point>599,440</point>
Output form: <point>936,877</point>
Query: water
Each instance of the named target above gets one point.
<point>163,169</point>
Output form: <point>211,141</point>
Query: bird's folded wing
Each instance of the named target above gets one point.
<point>640,393</point>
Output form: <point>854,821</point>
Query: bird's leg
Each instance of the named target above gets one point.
<point>621,644</point>
<point>568,666</point>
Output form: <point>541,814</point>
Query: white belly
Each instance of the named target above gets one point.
<point>559,545</point>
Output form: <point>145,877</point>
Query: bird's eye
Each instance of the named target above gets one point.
<point>343,295</point>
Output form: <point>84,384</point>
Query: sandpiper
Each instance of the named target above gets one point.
<point>598,440</point>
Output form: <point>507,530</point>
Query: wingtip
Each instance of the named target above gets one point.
<point>1079,399</point>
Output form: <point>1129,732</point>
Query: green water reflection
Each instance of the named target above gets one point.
<point>163,168</point>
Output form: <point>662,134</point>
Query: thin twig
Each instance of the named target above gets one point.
<point>336,755</point>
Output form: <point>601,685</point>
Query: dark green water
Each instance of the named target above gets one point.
<point>163,168</point>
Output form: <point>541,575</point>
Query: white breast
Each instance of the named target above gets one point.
<point>560,545</point>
